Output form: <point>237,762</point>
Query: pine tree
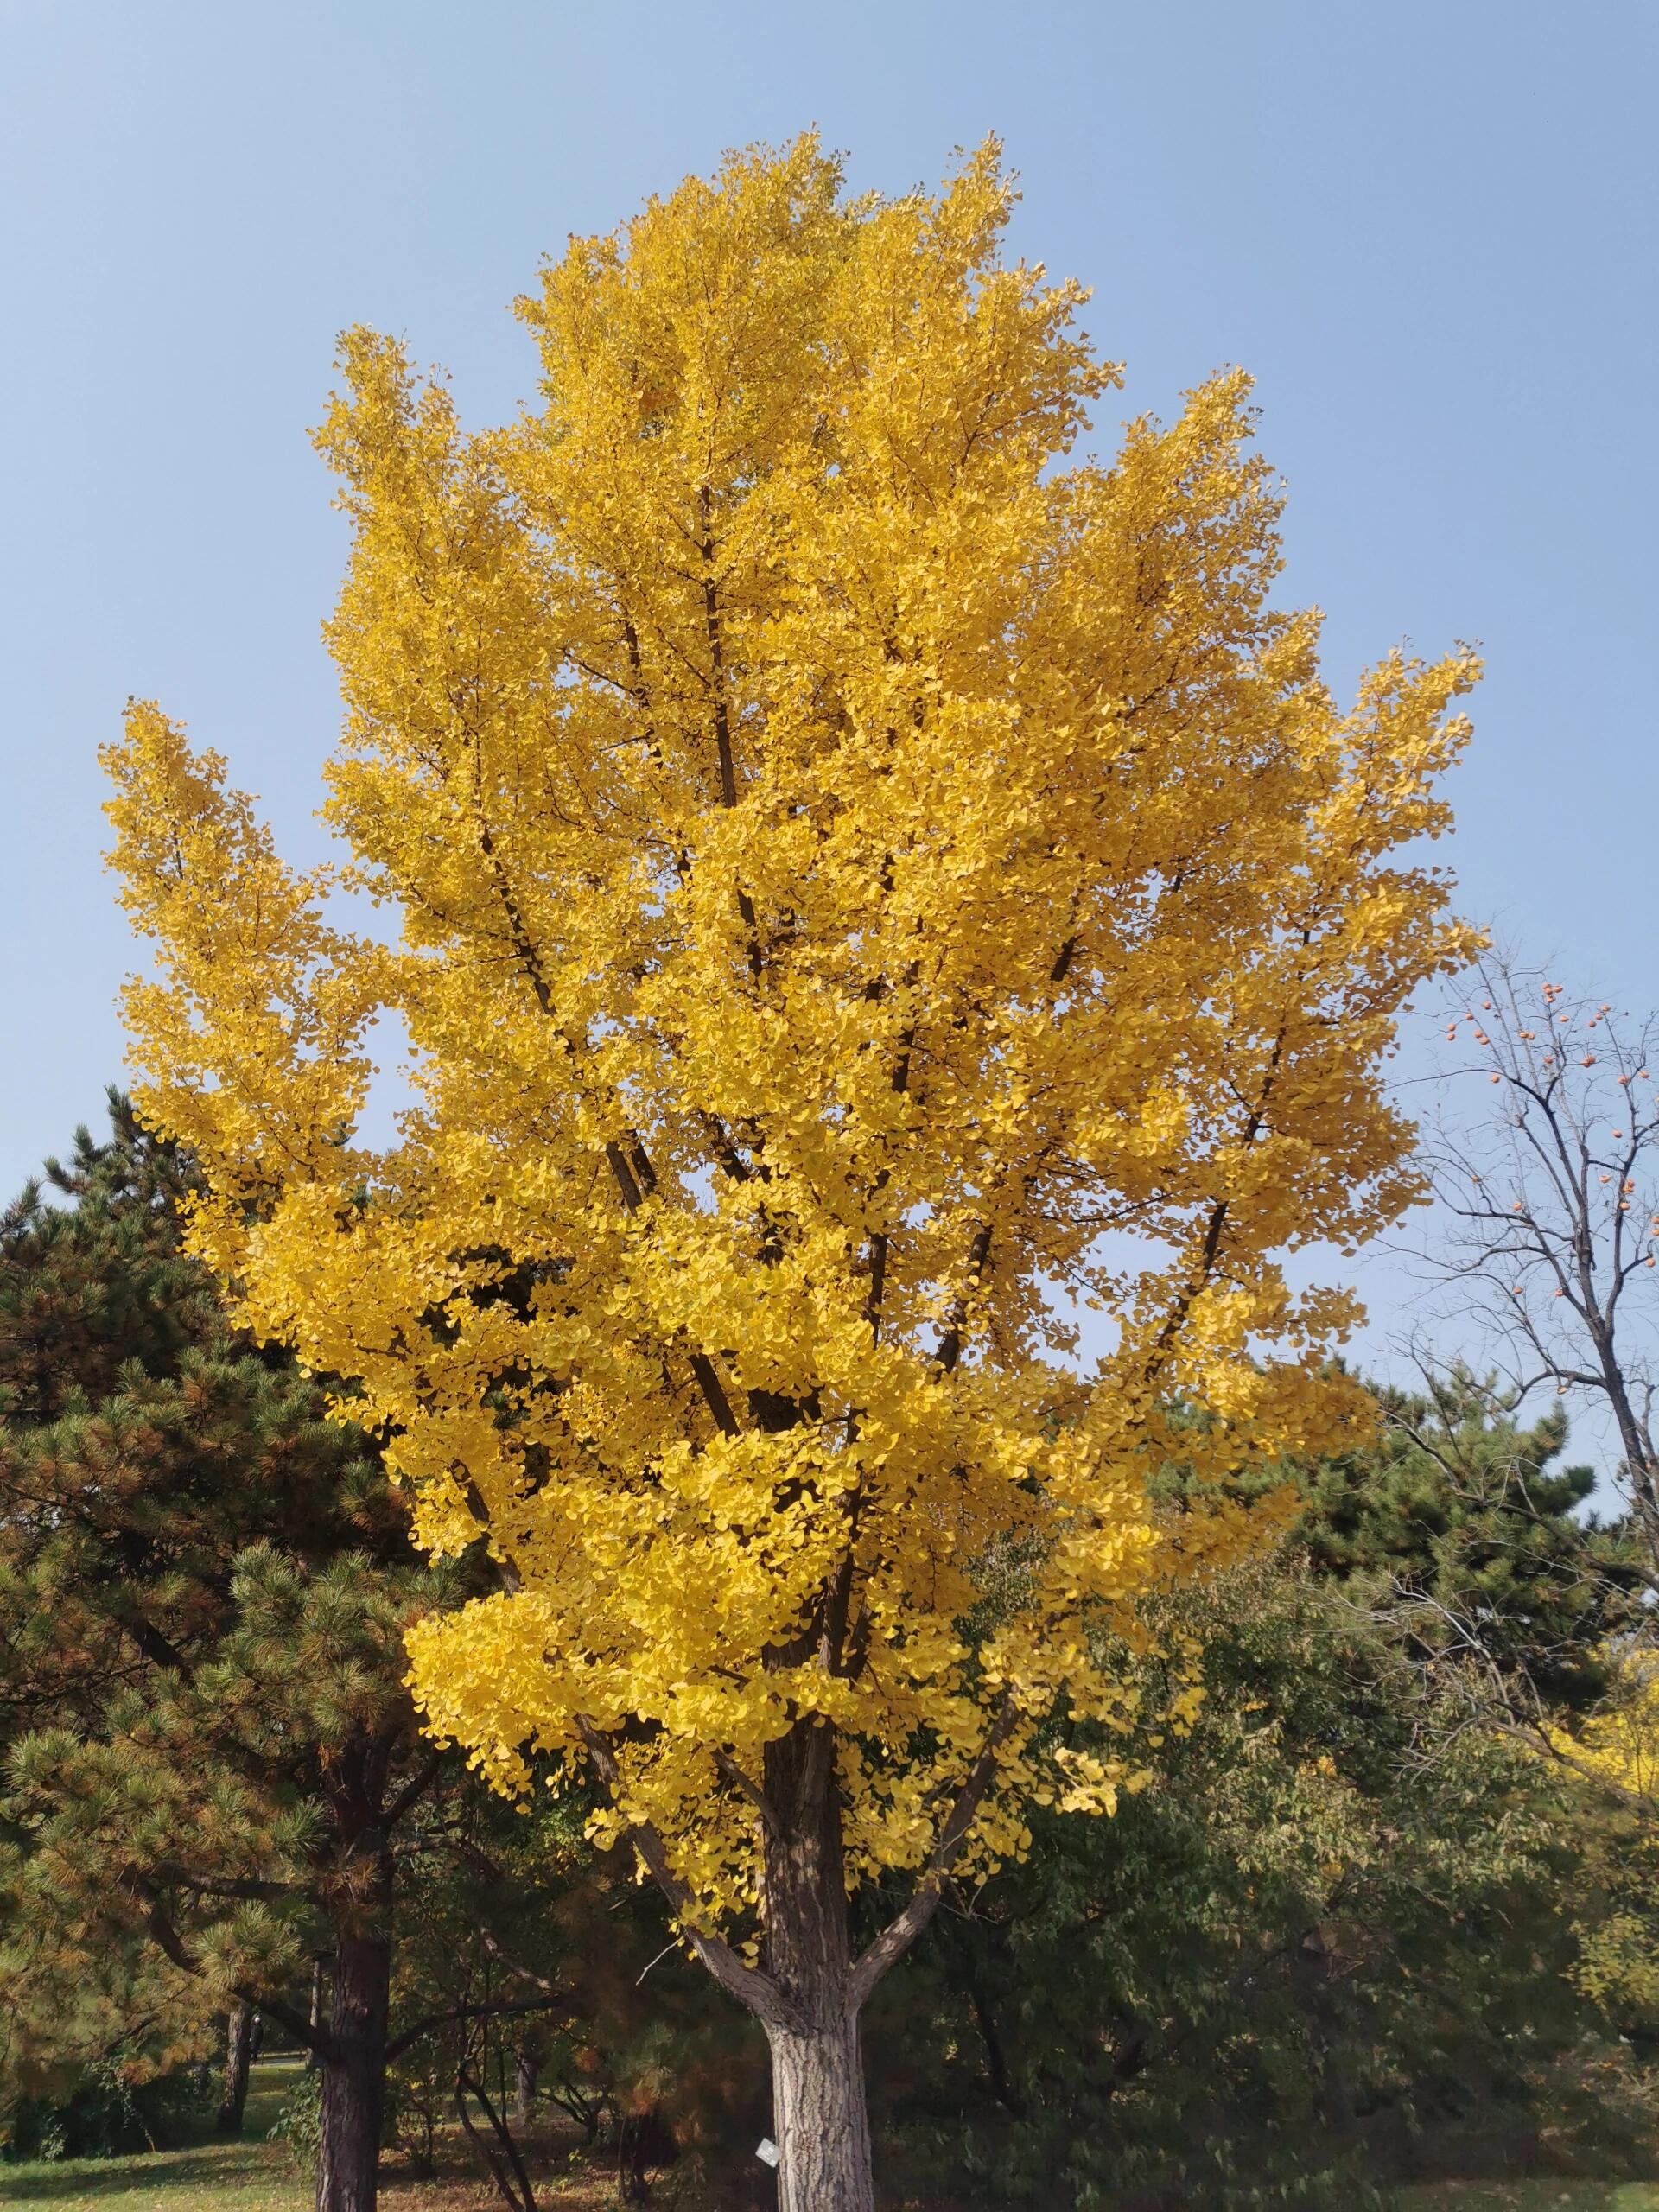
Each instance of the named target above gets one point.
<point>213,1765</point>
<point>1463,1522</point>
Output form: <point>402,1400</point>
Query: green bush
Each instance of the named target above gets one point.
<point>298,2126</point>
<point>108,2116</point>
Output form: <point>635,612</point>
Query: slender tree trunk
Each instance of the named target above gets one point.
<point>809,1993</point>
<point>354,2073</point>
<point>1316,1968</point>
<point>316,2012</point>
<point>1003,2087</point>
<point>504,2162</point>
<point>819,2115</point>
<point>526,2074</point>
<point>239,2048</point>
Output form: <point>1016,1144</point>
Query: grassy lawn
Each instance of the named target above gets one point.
<point>251,2175</point>
<point>248,2176</point>
<point>1533,2196</point>
<point>255,2176</point>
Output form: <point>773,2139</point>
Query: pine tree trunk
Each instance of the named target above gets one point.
<point>355,2076</point>
<point>819,2114</point>
<point>820,2120</point>
<point>239,2048</point>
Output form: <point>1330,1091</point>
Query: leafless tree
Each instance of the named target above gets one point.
<point>1550,1197</point>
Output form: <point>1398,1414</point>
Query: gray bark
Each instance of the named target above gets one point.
<point>820,2120</point>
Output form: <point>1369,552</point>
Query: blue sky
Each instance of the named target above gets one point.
<point>1428,230</point>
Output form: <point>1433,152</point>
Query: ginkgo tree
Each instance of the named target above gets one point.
<point>870,886</point>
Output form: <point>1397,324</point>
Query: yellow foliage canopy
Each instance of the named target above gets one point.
<point>1618,1749</point>
<point>1620,1743</point>
<point>858,869</point>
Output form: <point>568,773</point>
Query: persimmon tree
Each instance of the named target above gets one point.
<point>1552,1202</point>
<point>869,882</point>
<point>1548,1202</point>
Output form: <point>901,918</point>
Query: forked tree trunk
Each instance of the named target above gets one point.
<point>820,2120</point>
<point>809,1992</point>
<point>239,2048</point>
<point>355,2076</point>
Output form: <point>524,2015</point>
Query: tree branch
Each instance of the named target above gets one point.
<point>167,1938</point>
<point>174,1877</point>
<point>414,1789</point>
<point>949,1351</point>
<point>494,2008</point>
<point>901,1932</point>
<point>729,1769</point>
<point>758,1993</point>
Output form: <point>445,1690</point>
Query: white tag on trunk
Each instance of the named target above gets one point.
<point>767,2152</point>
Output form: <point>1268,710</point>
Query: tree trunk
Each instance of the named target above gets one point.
<point>526,2074</point>
<point>354,2074</point>
<point>817,2076</point>
<point>239,2048</point>
<point>316,2012</point>
<point>505,2161</point>
<point>819,2117</point>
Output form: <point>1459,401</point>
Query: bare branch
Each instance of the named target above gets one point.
<point>494,2008</point>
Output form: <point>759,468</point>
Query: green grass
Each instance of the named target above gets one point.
<point>212,2178</point>
<point>248,2176</point>
<point>1532,2196</point>
<point>255,2176</point>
